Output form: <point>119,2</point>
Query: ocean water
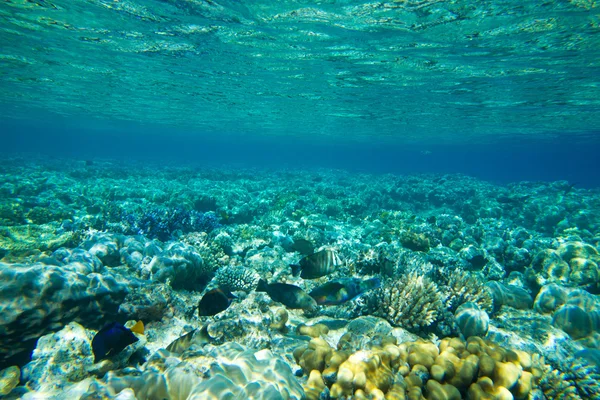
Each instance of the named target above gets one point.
<point>431,166</point>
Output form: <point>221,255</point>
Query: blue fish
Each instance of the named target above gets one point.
<point>341,290</point>
<point>111,340</point>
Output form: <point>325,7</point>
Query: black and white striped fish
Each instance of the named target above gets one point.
<point>316,265</point>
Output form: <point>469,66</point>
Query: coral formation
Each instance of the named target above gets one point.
<point>66,356</point>
<point>472,320</point>
<point>414,241</point>
<point>9,379</point>
<point>217,372</point>
<point>181,266</point>
<point>23,238</point>
<point>454,369</point>
<point>50,296</point>
<point>237,278</point>
<point>574,263</point>
<point>163,222</point>
<point>509,295</point>
<point>570,378</point>
<point>462,287</point>
<point>412,302</point>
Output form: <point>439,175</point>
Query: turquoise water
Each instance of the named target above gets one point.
<point>402,72</point>
<point>202,199</point>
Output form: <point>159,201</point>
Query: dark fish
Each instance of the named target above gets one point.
<point>214,301</point>
<point>111,340</point>
<point>290,296</point>
<point>513,200</point>
<point>303,246</point>
<point>317,264</point>
<point>341,290</point>
<point>196,337</point>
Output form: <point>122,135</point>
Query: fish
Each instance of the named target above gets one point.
<point>303,246</point>
<point>513,200</point>
<point>214,302</point>
<point>341,290</point>
<point>138,327</point>
<point>111,340</point>
<point>317,264</point>
<point>290,296</point>
<point>184,342</point>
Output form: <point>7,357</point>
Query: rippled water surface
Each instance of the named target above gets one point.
<point>407,71</point>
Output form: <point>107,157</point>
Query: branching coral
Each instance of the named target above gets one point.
<point>462,287</point>
<point>412,302</point>
<point>162,222</point>
<point>237,278</point>
<point>571,379</point>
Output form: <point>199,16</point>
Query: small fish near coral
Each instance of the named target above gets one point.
<point>197,337</point>
<point>214,302</point>
<point>290,296</point>
<point>112,339</point>
<point>341,290</point>
<point>316,265</point>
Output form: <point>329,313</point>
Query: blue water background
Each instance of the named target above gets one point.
<point>501,162</point>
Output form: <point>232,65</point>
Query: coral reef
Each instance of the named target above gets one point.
<point>574,263</point>
<point>215,372</point>
<point>472,320</point>
<point>509,295</point>
<point>37,299</point>
<point>237,278</point>
<point>9,379</point>
<point>181,266</point>
<point>475,368</point>
<point>108,242</point>
<point>461,287</point>
<point>412,302</point>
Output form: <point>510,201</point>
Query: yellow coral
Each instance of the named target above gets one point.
<point>479,368</point>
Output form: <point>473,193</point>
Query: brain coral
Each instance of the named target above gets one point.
<point>573,264</point>
<point>411,302</point>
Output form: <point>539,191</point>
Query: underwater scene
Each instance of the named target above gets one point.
<point>299,199</point>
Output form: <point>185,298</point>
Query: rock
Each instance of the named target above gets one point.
<point>38,299</point>
<point>63,356</point>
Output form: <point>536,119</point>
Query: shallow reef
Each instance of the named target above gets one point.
<point>486,291</point>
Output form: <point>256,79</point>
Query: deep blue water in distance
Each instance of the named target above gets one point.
<point>503,163</point>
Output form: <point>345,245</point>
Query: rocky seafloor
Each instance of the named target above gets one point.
<point>488,291</point>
